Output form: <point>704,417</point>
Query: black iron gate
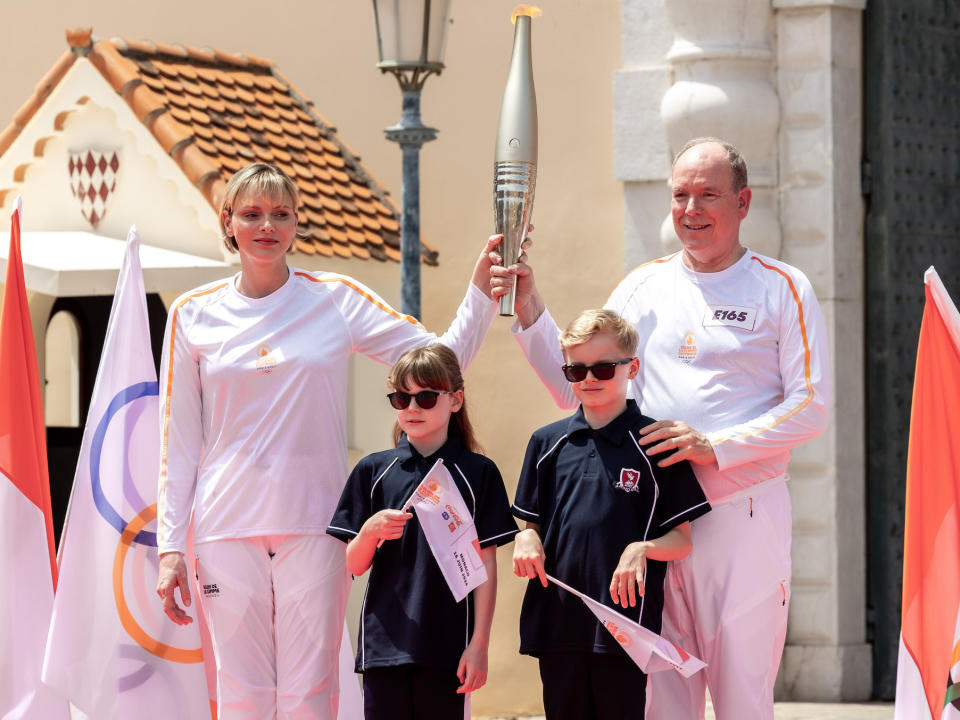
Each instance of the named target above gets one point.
<point>912,184</point>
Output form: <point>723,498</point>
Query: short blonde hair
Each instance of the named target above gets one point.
<point>256,179</point>
<point>591,323</point>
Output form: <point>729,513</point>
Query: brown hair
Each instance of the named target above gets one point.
<point>590,323</point>
<point>738,166</point>
<point>258,179</point>
<point>435,367</point>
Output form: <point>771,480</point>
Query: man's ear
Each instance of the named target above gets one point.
<point>743,202</point>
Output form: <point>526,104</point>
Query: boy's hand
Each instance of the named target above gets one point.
<point>631,569</point>
<point>472,670</point>
<point>528,556</point>
<point>385,525</point>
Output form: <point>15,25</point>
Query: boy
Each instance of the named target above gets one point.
<point>602,517</point>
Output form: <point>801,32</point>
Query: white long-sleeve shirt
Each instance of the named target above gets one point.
<point>740,355</point>
<point>253,400</point>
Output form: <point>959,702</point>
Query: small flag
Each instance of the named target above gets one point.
<point>928,667</point>
<point>651,652</point>
<point>449,529</point>
<point>27,558</point>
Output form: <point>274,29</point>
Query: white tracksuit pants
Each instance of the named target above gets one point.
<point>727,604</point>
<point>275,606</point>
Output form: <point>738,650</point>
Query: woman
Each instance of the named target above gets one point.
<point>253,408</point>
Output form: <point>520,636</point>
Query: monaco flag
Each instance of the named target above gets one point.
<point>450,531</point>
<point>27,561</point>
<point>651,652</point>
<point>928,669</point>
<point>111,651</point>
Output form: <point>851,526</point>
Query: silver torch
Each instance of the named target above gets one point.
<point>515,157</point>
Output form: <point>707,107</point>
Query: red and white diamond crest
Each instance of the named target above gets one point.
<point>93,178</point>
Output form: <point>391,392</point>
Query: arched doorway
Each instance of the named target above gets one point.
<point>74,341</point>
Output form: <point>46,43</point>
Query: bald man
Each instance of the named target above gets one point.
<point>733,350</point>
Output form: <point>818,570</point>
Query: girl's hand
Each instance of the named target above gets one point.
<point>472,670</point>
<point>385,525</point>
<point>528,556</point>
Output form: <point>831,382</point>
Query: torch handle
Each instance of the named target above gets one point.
<point>514,184</point>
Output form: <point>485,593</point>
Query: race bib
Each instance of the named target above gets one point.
<point>730,315</point>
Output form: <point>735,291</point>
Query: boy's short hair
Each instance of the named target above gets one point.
<point>590,323</point>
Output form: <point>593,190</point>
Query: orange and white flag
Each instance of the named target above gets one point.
<point>27,558</point>
<point>450,531</point>
<point>650,651</point>
<point>928,668</point>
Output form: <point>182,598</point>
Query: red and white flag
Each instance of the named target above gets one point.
<point>650,651</point>
<point>27,558</point>
<point>928,668</point>
<point>112,652</point>
<point>449,529</point>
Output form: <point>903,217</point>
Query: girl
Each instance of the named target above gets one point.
<point>253,400</point>
<point>419,651</point>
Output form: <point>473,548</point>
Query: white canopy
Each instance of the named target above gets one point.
<point>71,264</point>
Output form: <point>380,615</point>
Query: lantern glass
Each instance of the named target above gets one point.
<point>411,33</point>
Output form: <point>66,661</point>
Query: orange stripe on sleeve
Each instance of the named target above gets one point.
<point>668,258</point>
<point>169,391</point>
<point>806,363</point>
<point>386,308</point>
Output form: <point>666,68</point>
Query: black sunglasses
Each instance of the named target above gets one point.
<point>601,371</point>
<point>426,399</point>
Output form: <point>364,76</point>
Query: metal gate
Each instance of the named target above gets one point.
<point>912,185</point>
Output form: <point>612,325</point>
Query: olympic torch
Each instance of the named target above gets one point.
<point>515,157</point>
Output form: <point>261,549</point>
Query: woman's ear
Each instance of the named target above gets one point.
<point>457,397</point>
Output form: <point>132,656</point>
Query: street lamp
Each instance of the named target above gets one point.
<point>410,42</point>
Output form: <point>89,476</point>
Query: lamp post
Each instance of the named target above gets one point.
<point>410,43</point>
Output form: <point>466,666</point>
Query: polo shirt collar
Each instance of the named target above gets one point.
<point>450,450</point>
<point>615,431</point>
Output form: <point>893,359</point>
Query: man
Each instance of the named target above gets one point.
<point>732,350</point>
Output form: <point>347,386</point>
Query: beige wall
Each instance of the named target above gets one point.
<point>327,49</point>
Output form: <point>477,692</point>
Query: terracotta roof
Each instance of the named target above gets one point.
<point>214,112</point>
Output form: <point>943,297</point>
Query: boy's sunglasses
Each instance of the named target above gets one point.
<point>426,399</point>
<point>601,371</point>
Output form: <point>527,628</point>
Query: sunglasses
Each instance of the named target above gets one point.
<point>426,399</point>
<point>601,371</point>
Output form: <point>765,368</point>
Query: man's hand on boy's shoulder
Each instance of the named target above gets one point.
<point>689,444</point>
<point>528,556</point>
<point>626,585</point>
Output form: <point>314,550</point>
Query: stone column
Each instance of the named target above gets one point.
<point>722,65</point>
<point>821,211</point>
<point>641,154</point>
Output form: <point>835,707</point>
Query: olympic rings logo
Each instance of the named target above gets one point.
<point>132,532</point>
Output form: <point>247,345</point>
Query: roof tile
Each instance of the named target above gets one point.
<point>216,111</point>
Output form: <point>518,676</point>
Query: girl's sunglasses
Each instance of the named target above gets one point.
<point>601,371</point>
<point>426,399</point>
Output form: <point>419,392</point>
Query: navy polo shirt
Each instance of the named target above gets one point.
<point>593,492</point>
<point>409,614</point>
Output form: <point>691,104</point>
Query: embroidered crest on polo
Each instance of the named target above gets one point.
<point>736,316</point>
<point>629,478</point>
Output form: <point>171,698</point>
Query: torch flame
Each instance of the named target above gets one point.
<point>531,11</point>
